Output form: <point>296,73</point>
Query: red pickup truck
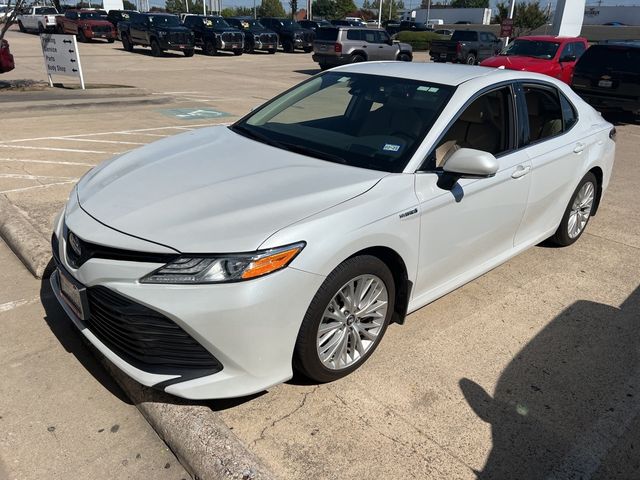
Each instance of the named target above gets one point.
<point>6,59</point>
<point>86,24</point>
<point>553,56</point>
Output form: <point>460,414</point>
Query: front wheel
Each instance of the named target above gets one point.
<point>209,48</point>
<point>237,52</point>
<point>272,51</point>
<point>188,52</point>
<point>404,57</point>
<point>126,43</point>
<point>111,40</point>
<point>81,36</point>
<point>287,46</point>
<point>346,320</point>
<point>307,49</point>
<point>576,216</point>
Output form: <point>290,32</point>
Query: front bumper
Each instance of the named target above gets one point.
<point>170,45</point>
<point>258,45</point>
<point>249,327</point>
<point>229,46</point>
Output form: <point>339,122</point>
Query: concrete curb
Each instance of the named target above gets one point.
<point>22,237</point>
<point>205,446</point>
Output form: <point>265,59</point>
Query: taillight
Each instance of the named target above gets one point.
<point>337,47</point>
<point>612,134</point>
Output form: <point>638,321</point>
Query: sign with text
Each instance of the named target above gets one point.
<point>61,56</point>
<point>506,27</point>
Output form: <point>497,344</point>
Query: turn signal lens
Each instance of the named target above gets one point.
<point>271,263</point>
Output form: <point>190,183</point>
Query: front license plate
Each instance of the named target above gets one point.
<point>605,83</point>
<point>71,294</point>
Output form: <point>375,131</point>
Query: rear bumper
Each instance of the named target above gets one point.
<point>108,35</point>
<point>444,57</point>
<point>331,60</point>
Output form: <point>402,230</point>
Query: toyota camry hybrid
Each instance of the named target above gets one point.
<point>213,263</point>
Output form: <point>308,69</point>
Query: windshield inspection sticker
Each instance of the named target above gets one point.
<point>391,147</point>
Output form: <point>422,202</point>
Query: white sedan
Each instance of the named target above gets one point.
<point>213,263</point>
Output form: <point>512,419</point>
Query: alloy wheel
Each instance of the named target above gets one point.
<point>581,210</point>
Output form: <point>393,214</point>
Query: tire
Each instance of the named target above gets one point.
<point>209,48</point>
<point>404,57</point>
<point>249,48</point>
<point>126,43</point>
<point>307,49</point>
<point>470,59</point>
<point>357,58</point>
<point>81,36</point>
<point>357,272</point>
<point>156,51</point>
<point>21,27</point>
<point>59,29</point>
<point>237,52</point>
<point>41,28</point>
<point>323,66</point>
<point>578,211</point>
<point>111,40</point>
<point>189,52</point>
<point>272,51</point>
<point>287,46</point>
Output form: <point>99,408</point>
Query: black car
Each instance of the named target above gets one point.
<point>115,16</point>
<point>345,23</point>
<point>290,34</point>
<point>213,34</point>
<point>313,25</point>
<point>607,76</point>
<point>256,37</point>
<point>160,31</point>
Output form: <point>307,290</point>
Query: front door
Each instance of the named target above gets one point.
<point>471,228</point>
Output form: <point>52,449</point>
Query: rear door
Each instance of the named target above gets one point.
<point>138,28</point>
<point>386,49</point>
<point>556,150</point>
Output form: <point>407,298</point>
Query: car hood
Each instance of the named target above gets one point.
<point>177,28</point>
<point>226,29</point>
<point>515,62</point>
<point>213,191</point>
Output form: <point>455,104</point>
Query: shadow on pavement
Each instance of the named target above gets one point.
<point>568,404</point>
<point>73,341</point>
<point>621,118</point>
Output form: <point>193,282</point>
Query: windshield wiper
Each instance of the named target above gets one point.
<point>244,131</point>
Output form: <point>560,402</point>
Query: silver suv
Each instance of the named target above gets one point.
<point>335,46</point>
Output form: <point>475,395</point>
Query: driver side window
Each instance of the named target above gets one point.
<point>482,125</point>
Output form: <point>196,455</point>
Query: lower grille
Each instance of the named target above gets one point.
<point>145,338</point>
<point>268,38</point>
<point>101,29</point>
<point>179,38</point>
<point>229,37</point>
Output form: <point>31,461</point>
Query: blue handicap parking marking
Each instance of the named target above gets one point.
<point>194,113</point>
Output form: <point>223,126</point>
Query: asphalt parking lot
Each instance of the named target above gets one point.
<point>530,372</point>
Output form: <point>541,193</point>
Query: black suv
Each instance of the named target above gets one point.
<point>607,76</point>
<point>256,37</point>
<point>160,31</point>
<point>290,34</point>
<point>116,16</point>
<point>214,33</point>
<point>313,25</point>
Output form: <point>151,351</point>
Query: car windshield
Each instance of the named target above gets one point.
<point>164,20</point>
<point>215,22</point>
<point>250,23</point>
<point>464,36</point>
<point>90,16</point>
<point>532,48</point>
<point>367,121</point>
<point>290,24</point>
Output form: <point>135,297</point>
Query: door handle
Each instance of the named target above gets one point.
<point>579,147</point>
<point>521,171</point>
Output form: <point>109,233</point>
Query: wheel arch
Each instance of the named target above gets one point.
<point>599,174</point>
<point>396,264</point>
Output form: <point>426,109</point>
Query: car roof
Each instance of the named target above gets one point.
<point>549,38</point>
<point>619,43</point>
<point>442,73</point>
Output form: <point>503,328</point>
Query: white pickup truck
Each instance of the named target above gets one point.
<point>39,19</point>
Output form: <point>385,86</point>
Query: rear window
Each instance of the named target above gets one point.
<point>327,34</point>
<point>610,57</point>
<point>46,11</point>
<point>464,36</point>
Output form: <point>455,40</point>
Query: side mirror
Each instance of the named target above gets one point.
<point>568,58</point>
<point>467,163</point>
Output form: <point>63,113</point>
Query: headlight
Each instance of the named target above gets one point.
<point>162,34</point>
<point>192,269</point>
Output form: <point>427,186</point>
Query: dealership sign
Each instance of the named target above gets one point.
<point>61,56</point>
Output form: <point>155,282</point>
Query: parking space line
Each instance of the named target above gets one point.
<point>5,307</point>
<point>96,141</point>
<point>33,187</point>
<point>53,162</point>
<point>53,149</point>
<point>185,128</point>
<point>144,134</point>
